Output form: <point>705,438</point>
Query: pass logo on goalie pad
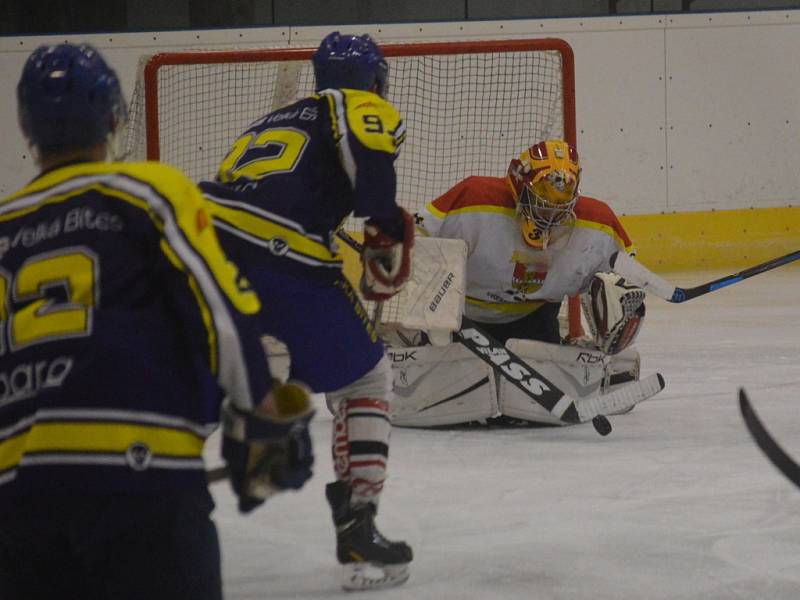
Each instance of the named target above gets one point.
<point>449,385</point>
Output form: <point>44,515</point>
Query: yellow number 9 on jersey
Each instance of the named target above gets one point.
<point>255,156</point>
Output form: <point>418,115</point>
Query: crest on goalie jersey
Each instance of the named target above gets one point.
<point>526,281</point>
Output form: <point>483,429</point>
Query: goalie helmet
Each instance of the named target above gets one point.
<point>350,61</point>
<point>544,181</point>
<point>68,97</point>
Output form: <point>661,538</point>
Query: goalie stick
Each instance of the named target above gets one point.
<point>542,391</point>
<point>766,442</point>
<point>536,386</point>
<point>635,272</point>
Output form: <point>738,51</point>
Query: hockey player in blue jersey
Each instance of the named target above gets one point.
<point>122,324</point>
<point>280,195</point>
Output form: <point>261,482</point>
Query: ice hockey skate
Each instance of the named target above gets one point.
<point>369,561</point>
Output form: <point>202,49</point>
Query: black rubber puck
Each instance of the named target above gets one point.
<point>601,425</point>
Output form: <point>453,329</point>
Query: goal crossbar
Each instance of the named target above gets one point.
<point>208,57</point>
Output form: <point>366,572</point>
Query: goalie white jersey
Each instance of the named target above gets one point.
<point>506,278</point>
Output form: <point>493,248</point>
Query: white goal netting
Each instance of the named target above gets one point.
<point>467,112</point>
<point>468,107</point>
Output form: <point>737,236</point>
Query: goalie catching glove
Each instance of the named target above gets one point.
<point>614,310</point>
<point>268,449</point>
<point>386,257</point>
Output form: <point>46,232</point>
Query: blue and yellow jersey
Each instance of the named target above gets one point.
<point>121,321</point>
<point>293,176</point>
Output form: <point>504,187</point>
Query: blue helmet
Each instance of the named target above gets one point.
<point>350,61</point>
<point>68,97</point>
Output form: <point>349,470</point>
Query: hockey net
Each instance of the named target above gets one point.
<point>469,107</point>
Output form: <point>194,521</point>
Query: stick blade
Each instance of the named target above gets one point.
<point>782,461</point>
<point>621,400</point>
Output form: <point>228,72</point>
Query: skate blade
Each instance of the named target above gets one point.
<point>370,576</point>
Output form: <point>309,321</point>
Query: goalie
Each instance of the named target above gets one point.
<point>532,240</point>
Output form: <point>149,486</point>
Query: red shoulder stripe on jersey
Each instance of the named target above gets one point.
<point>475,191</point>
<point>598,212</point>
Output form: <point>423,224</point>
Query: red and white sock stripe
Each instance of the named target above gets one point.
<point>361,432</point>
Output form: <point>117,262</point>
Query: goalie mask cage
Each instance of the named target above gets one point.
<point>469,107</point>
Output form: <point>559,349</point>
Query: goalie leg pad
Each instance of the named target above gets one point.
<point>578,372</point>
<point>436,386</point>
<point>621,369</point>
<point>377,383</point>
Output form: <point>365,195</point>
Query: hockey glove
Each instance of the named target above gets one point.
<point>614,310</point>
<point>386,257</point>
<point>268,450</point>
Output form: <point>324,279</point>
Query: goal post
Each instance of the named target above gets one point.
<point>468,107</point>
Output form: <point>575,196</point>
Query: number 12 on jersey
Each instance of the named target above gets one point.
<point>257,155</point>
<point>57,294</point>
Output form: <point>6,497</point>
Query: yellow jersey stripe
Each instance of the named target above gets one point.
<point>98,437</point>
<point>477,208</point>
<point>174,204</point>
<point>505,307</point>
<point>609,231</point>
<point>112,192</point>
<point>205,312</point>
<point>266,230</point>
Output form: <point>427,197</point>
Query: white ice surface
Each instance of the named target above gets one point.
<point>676,503</point>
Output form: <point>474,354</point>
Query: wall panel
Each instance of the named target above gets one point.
<point>621,141</point>
<point>158,14</point>
<point>510,9</point>
<point>733,94</point>
<point>675,112</point>
<point>333,12</point>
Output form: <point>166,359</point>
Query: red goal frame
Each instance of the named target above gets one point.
<point>389,50</point>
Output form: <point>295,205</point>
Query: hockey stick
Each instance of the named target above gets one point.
<point>766,442</point>
<point>536,386</point>
<point>545,393</point>
<point>634,271</point>
<point>222,473</point>
<point>217,474</point>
